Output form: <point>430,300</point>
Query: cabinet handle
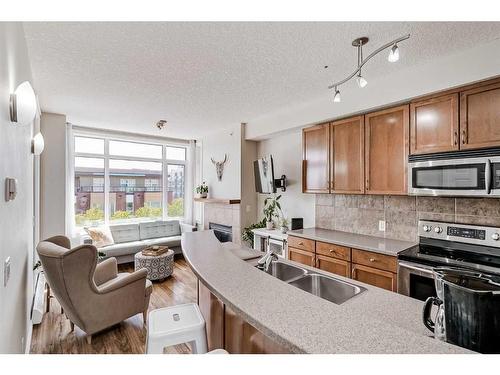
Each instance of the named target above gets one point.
<point>353,272</point>
<point>301,243</point>
<point>372,259</point>
<point>332,251</point>
<point>464,137</point>
<point>455,138</point>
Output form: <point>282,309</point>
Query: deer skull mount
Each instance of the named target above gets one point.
<point>219,166</point>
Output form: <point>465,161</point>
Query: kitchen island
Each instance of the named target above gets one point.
<point>288,319</point>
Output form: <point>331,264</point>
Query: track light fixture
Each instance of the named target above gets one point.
<point>359,43</point>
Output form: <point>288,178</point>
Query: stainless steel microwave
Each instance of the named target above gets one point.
<point>461,173</point>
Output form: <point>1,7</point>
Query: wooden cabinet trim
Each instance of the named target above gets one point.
<point>301,243</point>
<point>333,251</point>
<point>375,260</point>
<point>406,125</point>
<point>309,257</point>
<point>351,158</point>
<point>453,127</point>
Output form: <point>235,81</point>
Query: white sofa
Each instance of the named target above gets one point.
<point>131,238</point>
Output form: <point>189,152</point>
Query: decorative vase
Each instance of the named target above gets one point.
<point>269,225</point>
<point>201,195</point>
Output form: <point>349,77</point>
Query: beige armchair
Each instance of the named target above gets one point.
<point>93,296</point>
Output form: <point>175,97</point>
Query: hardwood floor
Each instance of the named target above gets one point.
<point>54,334</point>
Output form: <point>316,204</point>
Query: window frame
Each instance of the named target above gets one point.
<point>107,157</point>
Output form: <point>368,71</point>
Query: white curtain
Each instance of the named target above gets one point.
<point>190,181</point>
<point>71,230</point>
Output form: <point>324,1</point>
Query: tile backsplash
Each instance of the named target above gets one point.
<point>361,213</point>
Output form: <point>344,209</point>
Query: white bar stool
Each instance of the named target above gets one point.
<point>176,325</point>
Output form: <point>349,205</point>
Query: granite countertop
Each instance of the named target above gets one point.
<point>375,321</point>
<point>357,241</point>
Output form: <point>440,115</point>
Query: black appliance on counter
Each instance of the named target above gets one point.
<point>457,268</point>
<point>297,223</point>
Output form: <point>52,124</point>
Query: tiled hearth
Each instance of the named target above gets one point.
<point>225,214</point>
<point>361,213</point>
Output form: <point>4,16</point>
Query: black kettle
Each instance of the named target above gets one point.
<point>468,312</point>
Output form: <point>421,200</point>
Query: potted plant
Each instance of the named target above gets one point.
<point>271,210</point>
<point>202,190</point>
<point>284,225</point>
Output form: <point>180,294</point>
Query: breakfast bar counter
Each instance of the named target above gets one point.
<point>375,321</point>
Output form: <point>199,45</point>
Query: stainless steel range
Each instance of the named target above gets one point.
<point>445,244</point>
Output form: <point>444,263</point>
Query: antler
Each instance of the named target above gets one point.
<point>225,158</point>
<point>213,161</point>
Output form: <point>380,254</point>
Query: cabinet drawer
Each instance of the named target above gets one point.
<point>368,258</point>
<point>334,251</point>
<point>301,243</point>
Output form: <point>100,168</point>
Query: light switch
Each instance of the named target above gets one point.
<point>6,271</point>
<point>381,225</point>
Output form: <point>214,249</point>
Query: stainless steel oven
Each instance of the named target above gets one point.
<point>463,173</point>
<point>415,280</point>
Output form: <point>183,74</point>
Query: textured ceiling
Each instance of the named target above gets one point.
<point>206,76</point>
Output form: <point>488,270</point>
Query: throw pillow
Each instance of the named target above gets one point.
<point>101,236</point>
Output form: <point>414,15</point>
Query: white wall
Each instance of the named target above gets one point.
<point>16,217</point>
<point>215,146</point>
<point>438,74</point>
<point>53,176</point>
<point>287,155</point>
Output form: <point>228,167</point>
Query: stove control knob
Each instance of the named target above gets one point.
<point>427,228</point>
<point>495,236</point>
<point>438,230</point>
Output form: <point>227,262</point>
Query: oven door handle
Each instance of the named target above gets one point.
<point>419,268</point>
<point>487,176</point>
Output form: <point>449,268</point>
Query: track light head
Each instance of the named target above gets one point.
<point>362,82</point>
<point>393,53</point>
<point>336,97</point>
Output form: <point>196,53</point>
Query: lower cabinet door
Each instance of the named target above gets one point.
<point>243,338</point>
<point>301,256</point>
<point>336,266</point>
<point>382,279</point>
<point>212,310</point>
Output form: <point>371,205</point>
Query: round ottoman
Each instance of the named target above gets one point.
<point>159,266</point>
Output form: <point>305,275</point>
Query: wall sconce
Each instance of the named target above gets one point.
<point>23,104</point>
<point>37,144</point>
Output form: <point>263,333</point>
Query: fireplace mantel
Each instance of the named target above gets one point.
<point>218,200</point>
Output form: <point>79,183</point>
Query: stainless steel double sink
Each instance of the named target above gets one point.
<point>326,287</point>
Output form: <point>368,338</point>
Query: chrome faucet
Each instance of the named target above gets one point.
<point>265,262</point>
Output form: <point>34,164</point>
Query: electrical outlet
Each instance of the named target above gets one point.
<point>6,271</point>
<point>381,225</point>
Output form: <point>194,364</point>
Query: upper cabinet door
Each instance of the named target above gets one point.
<point>315,159</point>
<point>434,125</point>
<point>347,155</point>
<point>480,117</point>
<point>386,141</point>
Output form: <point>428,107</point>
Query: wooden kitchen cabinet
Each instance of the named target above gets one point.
<point>347,156</point>
<point>386,151</point>
<point>212,310</point>
<point>434,125</point>
<point>376,277</point>
<point>375,260</point>
<point>301,256</point>
<point>301,243</point>
<point>480,116</point>
<point>315,159</point>
<point>336,266</point>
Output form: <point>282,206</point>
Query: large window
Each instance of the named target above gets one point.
<point>124,181</point>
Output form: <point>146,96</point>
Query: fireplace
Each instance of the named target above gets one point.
<point>224,233</point>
